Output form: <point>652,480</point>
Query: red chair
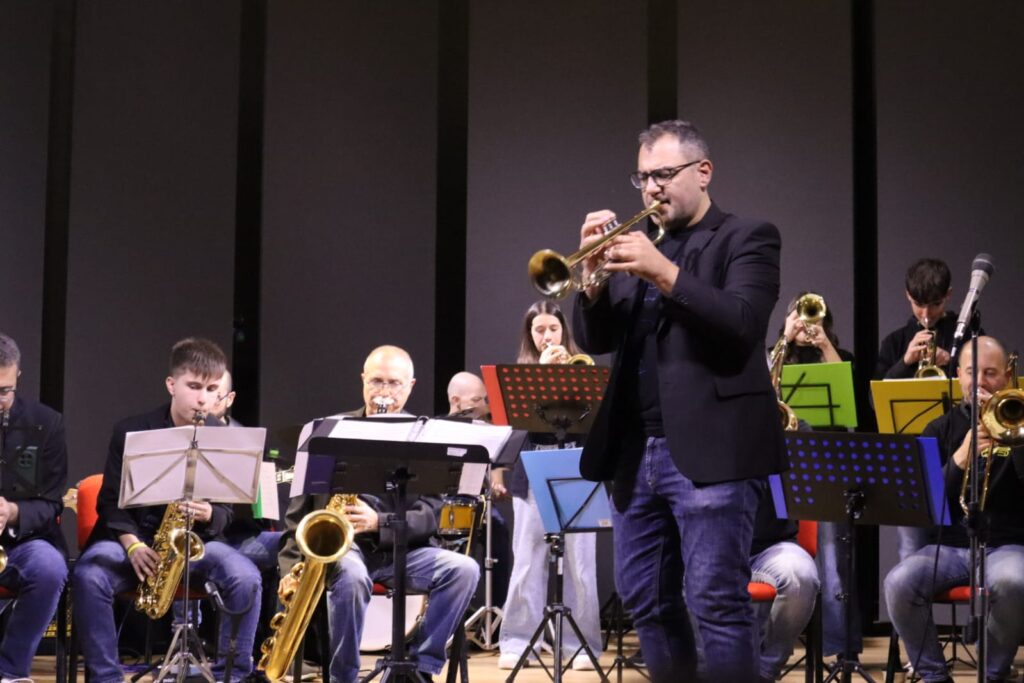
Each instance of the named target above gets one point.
<point>958,595</point>
<point>807,538</point>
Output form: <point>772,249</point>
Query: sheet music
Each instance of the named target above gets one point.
<point>269,507</point>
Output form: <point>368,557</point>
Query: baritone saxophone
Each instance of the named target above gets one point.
<point>323,537</point>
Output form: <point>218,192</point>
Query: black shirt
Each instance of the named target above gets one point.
<point>1006,484</point>
<point>890,355</point>
<point>643,348</point>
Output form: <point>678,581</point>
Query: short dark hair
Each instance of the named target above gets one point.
<point>10,354</point>
<point>201,357</point>
<point>528,352</point>
<point>684,131</point>
<point>928,280</point>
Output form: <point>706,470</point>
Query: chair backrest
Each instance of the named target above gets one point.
<point>807,536</point>
<point>88,492</point>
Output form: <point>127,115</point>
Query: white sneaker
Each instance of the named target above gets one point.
<point>508,661</point>
<point>582,663</point>
<point>16,680</point>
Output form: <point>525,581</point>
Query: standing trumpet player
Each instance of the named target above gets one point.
<point>32,546</point>
<point>689,429</point>
<point>448,578</point>
<point>119,554</point>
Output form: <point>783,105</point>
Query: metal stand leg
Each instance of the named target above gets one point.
<point>488,617</point>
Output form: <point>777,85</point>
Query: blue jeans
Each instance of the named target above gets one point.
<point>909,591</point>
<point>37,571</point>
<point>832,556</point>
<point>103,571</point>
<point>792,572</point>
<point>910,539</point>
<point>448,578</point>
<point>669,523</point>
<point>261,549</point>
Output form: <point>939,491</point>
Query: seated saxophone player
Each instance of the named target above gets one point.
<point>119,553</point>
<point>32,544</point>
<point>448,578</point>
<point>909,587</point>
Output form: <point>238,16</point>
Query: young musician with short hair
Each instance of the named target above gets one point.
<point>119,553</point>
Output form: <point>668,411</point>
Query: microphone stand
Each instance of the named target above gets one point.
<point>977,523</point>
<point>235,617</point>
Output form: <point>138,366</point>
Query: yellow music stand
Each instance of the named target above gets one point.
<point>906,406</point>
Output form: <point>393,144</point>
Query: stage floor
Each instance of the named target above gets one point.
<point>483,668</point>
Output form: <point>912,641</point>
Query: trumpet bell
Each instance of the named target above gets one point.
<point>550,273</point>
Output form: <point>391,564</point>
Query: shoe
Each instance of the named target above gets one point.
<point>16,680</point>
<point>310,672</point>
<point>508,661</point>
<point>582,663</point>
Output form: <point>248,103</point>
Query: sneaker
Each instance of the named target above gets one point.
<point>16,680</point>
<point>582,663</point>
<point>508,661</point>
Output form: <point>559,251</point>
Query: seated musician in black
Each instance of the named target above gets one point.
<point>34,477</point>
<point>450,579</point>
<point>119,553</point>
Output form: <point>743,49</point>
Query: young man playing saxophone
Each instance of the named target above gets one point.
<point>449,578</point>
<point>119,553</point>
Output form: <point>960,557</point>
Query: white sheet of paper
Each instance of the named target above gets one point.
<point>270,508</point>
<point>227,468</point>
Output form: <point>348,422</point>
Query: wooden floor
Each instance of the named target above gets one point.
<point>483,668</point>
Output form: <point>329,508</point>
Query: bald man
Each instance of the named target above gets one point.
<point>909,587</point>
<point>448,578</point>
<point>467,396</point>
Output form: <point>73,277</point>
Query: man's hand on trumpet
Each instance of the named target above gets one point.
<point>634,253</point>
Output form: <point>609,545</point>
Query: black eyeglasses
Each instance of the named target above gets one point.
<point>661,176</point>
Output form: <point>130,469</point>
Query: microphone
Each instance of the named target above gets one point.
<point>981,271</point>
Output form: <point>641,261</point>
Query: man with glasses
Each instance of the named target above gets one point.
<point>448,578</point>
<point>927,290</point>
<point>32,483</point>
<point>688,430</point>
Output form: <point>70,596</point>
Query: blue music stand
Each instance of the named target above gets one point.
<point>568,504</point>
<point>860,479</point>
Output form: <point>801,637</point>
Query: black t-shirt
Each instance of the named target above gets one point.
<point>644,339</point>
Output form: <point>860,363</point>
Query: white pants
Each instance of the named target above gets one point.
<point>527,589</point>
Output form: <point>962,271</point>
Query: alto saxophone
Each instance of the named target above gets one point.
<point>173,540</point>
<point>323,536</point>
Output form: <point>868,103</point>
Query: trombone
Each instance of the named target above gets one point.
<point>811,310</point>
<point>553,275</point>
<point>1003,418</point>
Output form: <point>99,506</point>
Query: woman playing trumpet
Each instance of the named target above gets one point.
<point>545,339</point>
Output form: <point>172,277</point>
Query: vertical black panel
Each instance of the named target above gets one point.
<point>950,146</point>
<point>58,207</point>
<point>152,203</point>
<point>249,211</point>
<point>557,95</point>
<point>25,33</point>
<point>772,95</point>
<point>662,64</point>
<point>350,187</point>
<point>452,113</point>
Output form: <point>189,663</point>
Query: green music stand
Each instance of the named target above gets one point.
<point>821,394</point>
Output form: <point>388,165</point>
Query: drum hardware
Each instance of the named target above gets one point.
<point>482,626</point>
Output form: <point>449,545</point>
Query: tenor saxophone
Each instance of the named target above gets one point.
<point>323,536</point>
<point>172,541</point>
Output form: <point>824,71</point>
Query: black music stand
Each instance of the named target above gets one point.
<point>860,479</point>
<point>393,468</point>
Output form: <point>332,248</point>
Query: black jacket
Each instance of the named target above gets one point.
<point>143,521</point>
<point>35,473</point>
<point>421,516</point>
<point>718,406</point>
<point>890,363</point>
<point>1006,485</point>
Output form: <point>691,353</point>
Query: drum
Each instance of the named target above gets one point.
<point>377,627</point>
<point>458,516</point>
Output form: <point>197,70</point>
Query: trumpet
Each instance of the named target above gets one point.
<point>553,275</point>
<point>565,359</point>
<point>926,367</point>
<point>1002,415</point>
<point>811,310</point>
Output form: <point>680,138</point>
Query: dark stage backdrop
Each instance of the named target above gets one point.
<point>353,99</point>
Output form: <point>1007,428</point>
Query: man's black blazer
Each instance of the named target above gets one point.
<point>717,403</point>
